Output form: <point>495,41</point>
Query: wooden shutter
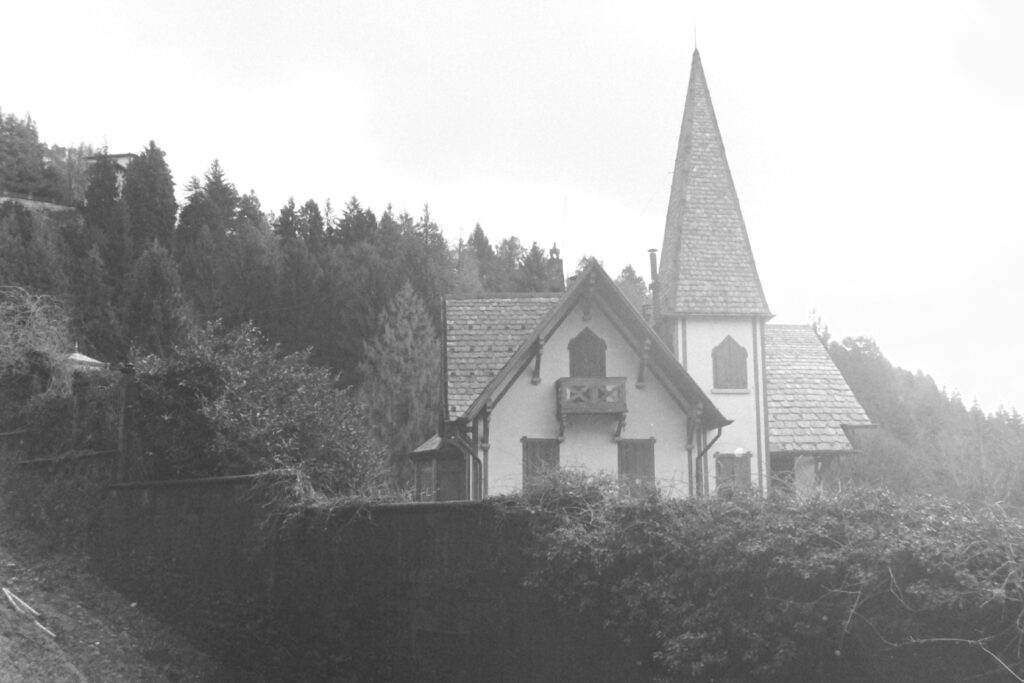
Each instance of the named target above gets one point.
<point>732,471</point>
<point>729,365</point>
<point>636,464</point>
<point>586,355</point>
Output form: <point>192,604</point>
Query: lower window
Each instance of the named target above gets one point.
<point>540,459</point>
<point>732,471</point>
<point>636,465</point>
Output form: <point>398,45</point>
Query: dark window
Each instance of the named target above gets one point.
<point>732,472</point>
<point>586,355</point>
<point>441,477</point>
<point>425,489</point>
<point>782,469</point>
<point>729,362</point>
<point>540,458</point>
<point>636,465</point>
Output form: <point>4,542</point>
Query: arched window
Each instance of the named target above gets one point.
<point>729,365</point>
<point>586,355</point>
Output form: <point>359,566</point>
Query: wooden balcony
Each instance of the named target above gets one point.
<point>591,396</point>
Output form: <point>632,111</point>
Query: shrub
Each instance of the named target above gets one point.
<point>863,586</point>
<point>246,407</point>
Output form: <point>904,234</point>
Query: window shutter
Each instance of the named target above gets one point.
<point>732,471</point>
<point>587,355</point>
<point>729,365</point>
<point>636,464</point>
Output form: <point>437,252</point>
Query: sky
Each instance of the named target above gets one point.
<point>876,147</point>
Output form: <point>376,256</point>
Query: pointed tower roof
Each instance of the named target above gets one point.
<point>707,266</point>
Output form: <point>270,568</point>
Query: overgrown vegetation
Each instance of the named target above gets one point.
<point>862,586</point>
<point>230,403</point>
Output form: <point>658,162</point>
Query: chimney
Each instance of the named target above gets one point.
<point>556,274</point>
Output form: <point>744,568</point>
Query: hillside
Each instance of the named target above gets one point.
<point>928,441</point>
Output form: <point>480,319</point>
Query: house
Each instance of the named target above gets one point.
<point>704,396</point>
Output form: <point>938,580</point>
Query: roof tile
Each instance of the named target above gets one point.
<point>808,399</point>
<point>483,334</point>
<point>707,266</point>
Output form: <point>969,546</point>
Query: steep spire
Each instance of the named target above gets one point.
<point>707,266</point>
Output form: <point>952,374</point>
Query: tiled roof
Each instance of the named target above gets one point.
<point>808,399</point>
<point>482,335</point>
<point>707,266</point>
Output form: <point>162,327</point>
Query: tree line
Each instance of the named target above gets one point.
<point>358,293</point>
<point>927,440</point>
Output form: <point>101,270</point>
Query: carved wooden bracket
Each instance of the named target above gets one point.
<point>644,355</point>
<point>620,427</point>
<point>485,441</point>
<point>536,362</point>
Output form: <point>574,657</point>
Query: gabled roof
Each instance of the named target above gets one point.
<point>809,402</point>
<point>707,266</point>
<point>482,333</point>
<point>490,339</point>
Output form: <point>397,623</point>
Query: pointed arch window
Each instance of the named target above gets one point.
<point>729,365</point>
<point>586,355</point>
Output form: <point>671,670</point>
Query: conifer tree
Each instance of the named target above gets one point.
<point>95,322</point>
<point>633,286</point>
<point>149,198</point>
<point>106,218</point>
<point>401,372</point>
<point>286,224</point>
<point>311,223</point>
<point>154,311</point>
<point>533,274</point>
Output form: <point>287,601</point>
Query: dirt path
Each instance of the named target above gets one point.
<point>98,636</point>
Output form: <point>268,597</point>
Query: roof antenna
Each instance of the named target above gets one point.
<point>695,36</point>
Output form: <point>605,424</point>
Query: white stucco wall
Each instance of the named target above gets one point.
<point>530,410</point>
<point>744,407</point>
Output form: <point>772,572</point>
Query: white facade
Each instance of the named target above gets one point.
<point>694,340</point>
<point>530,410</point>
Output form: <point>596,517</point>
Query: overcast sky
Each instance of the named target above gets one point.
<point>877,147</point>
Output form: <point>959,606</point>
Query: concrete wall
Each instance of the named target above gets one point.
<point>529,410</point>
<point>745,407</point>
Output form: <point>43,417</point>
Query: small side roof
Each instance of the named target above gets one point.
<point>809,402</point>
<point>489,340</point>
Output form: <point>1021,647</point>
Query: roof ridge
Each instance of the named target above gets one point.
<point>504,295</point>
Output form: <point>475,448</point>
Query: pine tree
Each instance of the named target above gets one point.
<point>286,224</point>
<point>633,286</point>
<point>311,223</point>
<point>149,197</point>
<point>401,372</point>
<point>95,323</point>
<point>533,274</point>
<point>106,217</point>
<point>154,312</point>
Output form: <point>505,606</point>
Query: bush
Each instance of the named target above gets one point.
<point>231,404</point>
<point>863,586</point>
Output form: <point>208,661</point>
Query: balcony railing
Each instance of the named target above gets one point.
<point>591,396</point>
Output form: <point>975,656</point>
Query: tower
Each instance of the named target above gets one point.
<point>711,306</point>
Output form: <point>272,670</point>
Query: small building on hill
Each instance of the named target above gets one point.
<point>706,396</point>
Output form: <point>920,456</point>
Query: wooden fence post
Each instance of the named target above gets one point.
<point>127,380</point>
